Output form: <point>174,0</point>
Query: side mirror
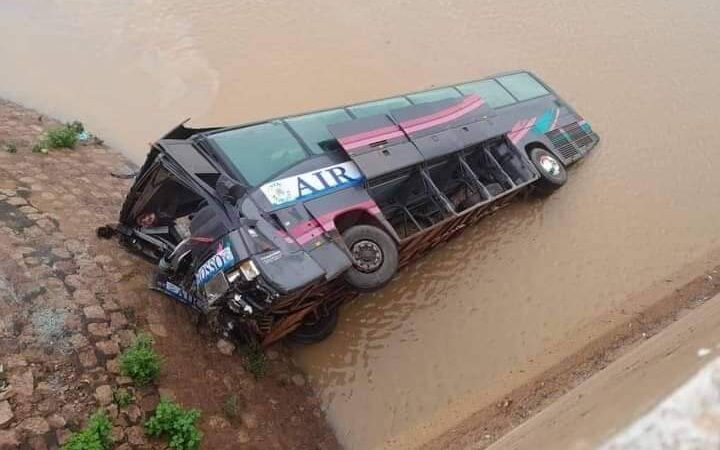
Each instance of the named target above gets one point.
<point>229,189</point>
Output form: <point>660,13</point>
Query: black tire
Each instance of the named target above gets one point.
<point>375,257</point>
<point>552,171</point>
<point>315,328</point>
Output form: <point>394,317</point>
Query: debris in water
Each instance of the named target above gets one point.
<point>703,352</point>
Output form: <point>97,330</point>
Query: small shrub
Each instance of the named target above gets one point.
<point>140,361</point>
<point>95,435</point>
<point>175,424</point>
<point>122,397</point>
<point>11,147</point>
<point>255,361</point>
<point>230,407</point>
<point>60,137</point>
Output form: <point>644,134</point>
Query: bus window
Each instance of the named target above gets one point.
<point>434,95</point>
<point>379,107</point>
<point>523,86</point>
<point>489,90</point>
<point>259,151</point>
<point>312,128</point>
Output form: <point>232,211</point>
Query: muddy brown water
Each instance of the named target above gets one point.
<point>512,295</point>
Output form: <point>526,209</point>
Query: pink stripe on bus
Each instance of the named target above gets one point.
<point>466,105</point>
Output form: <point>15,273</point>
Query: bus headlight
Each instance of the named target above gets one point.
<point>249,270</point>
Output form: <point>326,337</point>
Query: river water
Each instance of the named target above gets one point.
<point>512,295</point>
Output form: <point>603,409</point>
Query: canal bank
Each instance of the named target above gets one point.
<point>70,303</point>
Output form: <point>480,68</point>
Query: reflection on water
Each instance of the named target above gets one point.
<point>513,294</point>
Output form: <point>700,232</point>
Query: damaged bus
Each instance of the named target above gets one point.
<point>267,228</point>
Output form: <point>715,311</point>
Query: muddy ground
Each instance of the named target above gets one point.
<point>69,304</point>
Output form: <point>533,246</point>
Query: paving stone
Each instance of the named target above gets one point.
<point>78,341</point>
<point>298,380</point>
<point>74,246</point>
<point>135,435</point>
<point>118,320</point>
<point>104,395</point>
<point>94,312</point>
<point>9,440</point>
<point>249,420</point>
<point>113,366</point>
<point>225,347</point>
<point>242,437</point>
<point>99,329</point>
<point>125,337</point>
<point>6,413</point>
<point>61,253</point>
<point>37,443</point>
<point>56,421</point>
<point>108,348</point>
<point>218,423</point>
<point>23,383</point>
<point>117,434</point>
<point>158,329</point>
<point>63,435</point>
<point>34,426</point>
<point>88,359</point>
<point>16,201</point>
<point>84,297</point>
<point>14,361</point>
<point>133,413</point>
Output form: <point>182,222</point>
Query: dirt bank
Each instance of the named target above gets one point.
<point>70,303</point>
<point>489,424</point>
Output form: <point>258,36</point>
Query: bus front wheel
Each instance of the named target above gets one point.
<point>374,255</point>
<point>552,171</point>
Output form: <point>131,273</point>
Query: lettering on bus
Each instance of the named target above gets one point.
<point>312,184</point>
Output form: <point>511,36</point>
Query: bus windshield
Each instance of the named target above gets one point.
<point>259,151</point>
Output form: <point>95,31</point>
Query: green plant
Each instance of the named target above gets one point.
<point>230,407</point>
<point>255,360</point>
<point>95,435</point>
<point>122,397</point>
<point>59,137</point>
<point>140,361</point>
<point>176,424</point>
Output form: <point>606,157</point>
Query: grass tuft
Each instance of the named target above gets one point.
<point>255,360</point>
<point>95,435</point>
<point>122,397</point>
<point>230,407</point>
<point>175,424</point>
<point>140,361</point>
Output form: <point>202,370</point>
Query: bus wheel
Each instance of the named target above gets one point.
<point>375,257</point>
<point>552,172</point>
<point>316,327</point>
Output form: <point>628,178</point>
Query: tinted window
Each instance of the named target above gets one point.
<point>523,86</point>
<point>434,95</point>
<point>312,128</point>
<point>489,90</point>
<point>260,151</point>
<point>379,107</point>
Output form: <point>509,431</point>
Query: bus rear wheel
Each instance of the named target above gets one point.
<point>316,327</point>
<point>552,171</point>
<point>375,257</point>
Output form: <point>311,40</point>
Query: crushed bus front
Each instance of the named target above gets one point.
<point>267,228</point>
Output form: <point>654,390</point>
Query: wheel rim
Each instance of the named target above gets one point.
<point>549,165</point>
<point>367,255</point>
